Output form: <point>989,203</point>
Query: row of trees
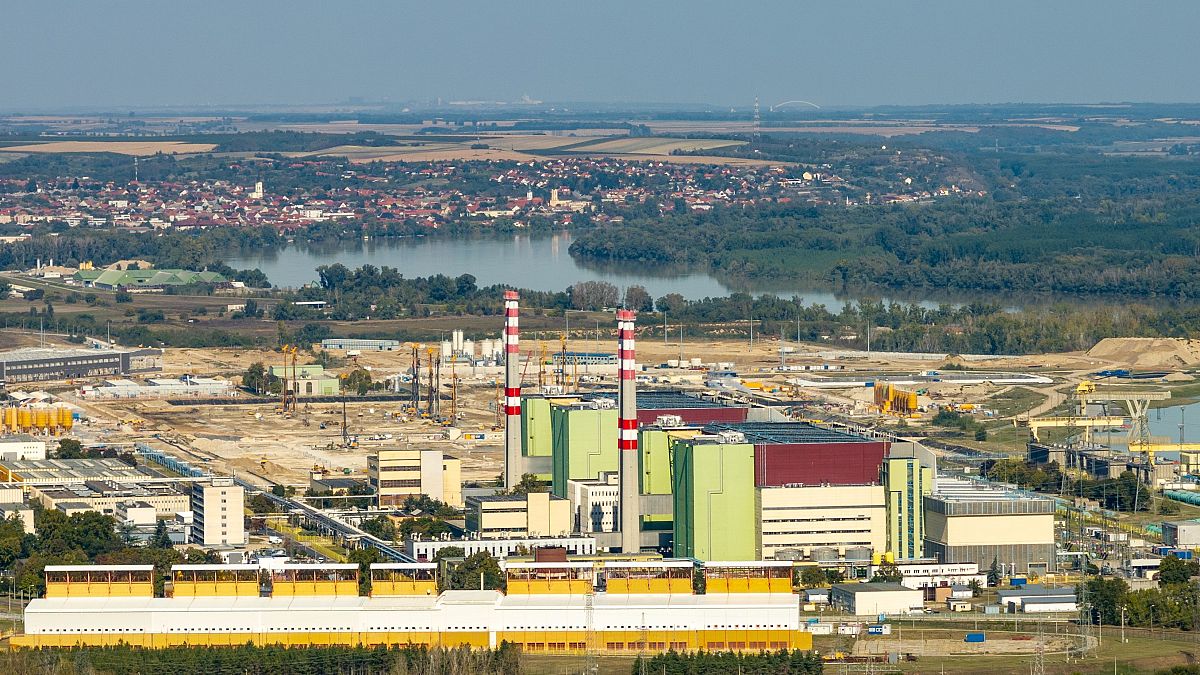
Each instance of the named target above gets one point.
<point>1174,604</point>
<point>1123,493</point>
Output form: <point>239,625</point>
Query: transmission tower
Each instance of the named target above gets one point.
<point>1086,628</point>
<point>589,634</point>
<point>1039,654</point>
<point>757,119</point>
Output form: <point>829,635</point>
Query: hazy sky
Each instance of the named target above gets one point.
<point>126,53</point>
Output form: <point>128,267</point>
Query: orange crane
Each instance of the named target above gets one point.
<point>283,386</point>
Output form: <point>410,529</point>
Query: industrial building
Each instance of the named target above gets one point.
<point>21,447</point>
<point>876,599</point>
<point>536,514</point>
<point>968,521</point>
<point>218,513</point>
<point>108,496</point>
<point>549,608</point>
<point>500,547</point>
<point>360,344</point>
<point>160,387</point>
<point>594,503</point>
<point>1181,533</point>
<point>73,471</point>
<point>305,380</point>
<point>146,280</point>
<point>398,473</point>
<point>798,522</point>
<point>928,573</point>
<point>732,475</point>
<point>907,477</point>
<point>39,364</point>
<point>1034,598</point>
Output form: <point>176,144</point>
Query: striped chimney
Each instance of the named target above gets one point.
<point>627,434</point>
<point>513,465</point>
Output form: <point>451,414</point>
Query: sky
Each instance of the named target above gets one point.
<point>128,53</point>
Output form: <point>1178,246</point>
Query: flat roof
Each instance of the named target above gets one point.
<point>213,568</point>
<point>99,568</point>
<point>664,400</point>
<point>647,564</point>
<point>547,565</point>
<point>403,566</point>
<point>747,563</point>
<point>874,587</point>
<point>317,566</point>
<point>780,433</point>
<point>44,353</point>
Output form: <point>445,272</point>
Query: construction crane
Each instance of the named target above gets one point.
<point>453,394</point>
<point>543,352</point>
<point>431,406</point>
<point>560,376</point>
<point>283,386</point>
<point>1137,404</point>
<point>414,403</point>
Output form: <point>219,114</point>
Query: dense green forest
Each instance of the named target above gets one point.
<point>1134,236</point>
<point>273,660</point>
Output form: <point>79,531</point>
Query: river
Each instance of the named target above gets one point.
<point>537,263</point>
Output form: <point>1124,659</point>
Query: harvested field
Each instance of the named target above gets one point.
<point>119,147</point>
<point>656,146</point>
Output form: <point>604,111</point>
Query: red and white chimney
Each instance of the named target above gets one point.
<point>513,464</point>
<point>627,434</point>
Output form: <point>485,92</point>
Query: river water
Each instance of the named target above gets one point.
<point>537,263</point>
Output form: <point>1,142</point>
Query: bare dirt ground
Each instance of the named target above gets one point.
<point>1148,352</point>
<point>256,439</point>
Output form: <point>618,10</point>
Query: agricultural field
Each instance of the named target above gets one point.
<point>141,148</point>
<point>654,146</point>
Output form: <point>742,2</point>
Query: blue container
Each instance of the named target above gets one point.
<point>1182,554</point>
<point>974,637</point>
<point>1018,581</point>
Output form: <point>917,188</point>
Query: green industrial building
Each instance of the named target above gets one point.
<point>908,474</point>
<point>584,443</point>
<point>714,499</point>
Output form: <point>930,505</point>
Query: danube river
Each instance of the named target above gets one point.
<point>537,263</point>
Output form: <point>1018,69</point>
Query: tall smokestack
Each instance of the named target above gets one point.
<point>627,435</point>
<point>513,466</point>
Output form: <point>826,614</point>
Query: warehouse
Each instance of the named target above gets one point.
<point>360,344</point>
<point>38,364</point>
<point>873,599</point>
<point>1181,533</point>
<point>73,471</point>
<point>161,387</point>
<point>968,521</point>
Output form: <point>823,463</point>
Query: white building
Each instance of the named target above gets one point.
<point>872,599</point>
<point>927,572</point>
<point>427,549</point>
<point>1181,533</point>
<point>594,503</point>
<point>21,447</point>
<point>812,517</point>
<point>218,509</point>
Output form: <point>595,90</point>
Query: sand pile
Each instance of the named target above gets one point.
<point>1148,352</point>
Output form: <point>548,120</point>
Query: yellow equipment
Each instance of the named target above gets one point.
<point>895,401</point>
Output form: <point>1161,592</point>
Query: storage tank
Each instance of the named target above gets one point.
<point>25,418</point>
<point>822,553</point>
<point>447,348</point>
<point>41,418</point>
<point>789,554</point>
<point>65,418</point>
<point>468,347</point>
<point>858,553</point>
<point>10,418</point>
